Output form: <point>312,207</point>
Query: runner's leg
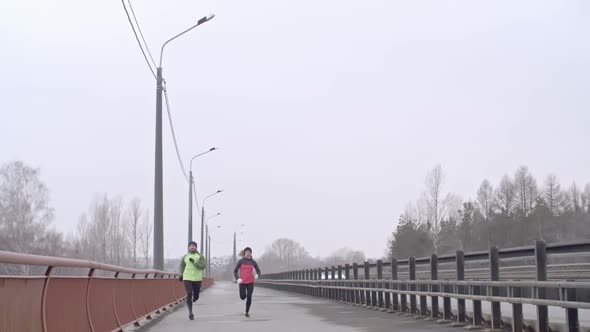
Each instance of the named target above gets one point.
<point>189,295</point>
<point>250,290</point>
<point>242,291</point>
<point>196,290</point>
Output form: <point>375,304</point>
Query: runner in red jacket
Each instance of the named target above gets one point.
<point>248,272</point>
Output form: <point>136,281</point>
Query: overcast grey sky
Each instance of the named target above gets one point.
<point>328,113</point>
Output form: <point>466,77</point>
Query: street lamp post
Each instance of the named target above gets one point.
<point>190,193</point>
<point>235,257</point>
<point>203,217</point>
<point>213,216</point>
<point>158,176</point>
<point>209,249</point>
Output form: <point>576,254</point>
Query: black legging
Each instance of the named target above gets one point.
<point>246,294</point>
<point>193,288</point>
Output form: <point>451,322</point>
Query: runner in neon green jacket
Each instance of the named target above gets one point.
<point>191,272</point>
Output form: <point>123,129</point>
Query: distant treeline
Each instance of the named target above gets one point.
<point>112,231</point>
<point>514,213</point>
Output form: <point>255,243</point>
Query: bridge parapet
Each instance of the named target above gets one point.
<point>371,289</point>
<point>83,303</point>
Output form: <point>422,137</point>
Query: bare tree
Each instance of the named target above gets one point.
<point>115,238</point>
<point>24,208</point>
<point>485,199</point>
<point>573,199</point>
<point>552,194</point>
<point>438,207</point>
<point>526,190</point>
<point>145,237</point>
<point>505,195</point>
<point>411,213</point>
<point>587,197</point>
<point>51,243</point>
<point>520,186</point>
<point>533,195</point>
<point>434,185</point>
<point>344,256</point>
<point>86,246</point>
<point>420,210</point>
<point>288,253</point>
<point>133,226</point>
<point>451,207</point>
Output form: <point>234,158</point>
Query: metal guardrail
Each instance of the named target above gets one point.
<point>92,303</point>
<point>402,295</point>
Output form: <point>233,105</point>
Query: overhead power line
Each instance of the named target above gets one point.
<point>147,48</point>
<point>183,169</point>
<point>138,41</point>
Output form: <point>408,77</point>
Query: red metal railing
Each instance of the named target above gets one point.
<point>92,303</point>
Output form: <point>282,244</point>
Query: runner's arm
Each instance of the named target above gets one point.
<point>237,268</point>
<point>202,263</point>
<point>256,267</point>
<point>182,266</point>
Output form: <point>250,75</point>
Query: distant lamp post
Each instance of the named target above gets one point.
<point>190,192</point>
<point>209,249</point>
<point>235,256</point>
<point>203,217</point>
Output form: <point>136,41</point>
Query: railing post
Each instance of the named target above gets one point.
<point>347,294</point>
<point>302,288</point>
<point>307,283</point>
<point>374,303</point>
<point>477,313</point>
<point>517,315</point>
<point>394,278</point>
<point>379,284</point>
<point>460,260</point>
<point>423,299</point>
<point>495,276</point>
<point>387,285</point>
<point>367,298</point>
<point>332,283</point>
<point>404,297</point>
<point>320,290</point>
<point>301,281</point>
<point>571,314</point>
<point>447,309</point>
<point>412,263</point>
<point>314,277</point>
<point>340,292</point>
<point>326,274</point>
<point>541,266</point>
<point>355,276</point>
<point>315,283</point>
<point>434,276</point>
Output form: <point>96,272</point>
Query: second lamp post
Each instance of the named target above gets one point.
<point>190,193</point>
<point>203,217</point>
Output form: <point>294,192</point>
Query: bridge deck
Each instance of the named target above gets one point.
<point>220,309</point>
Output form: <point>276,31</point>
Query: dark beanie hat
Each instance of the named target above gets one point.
<point>192,242</point>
